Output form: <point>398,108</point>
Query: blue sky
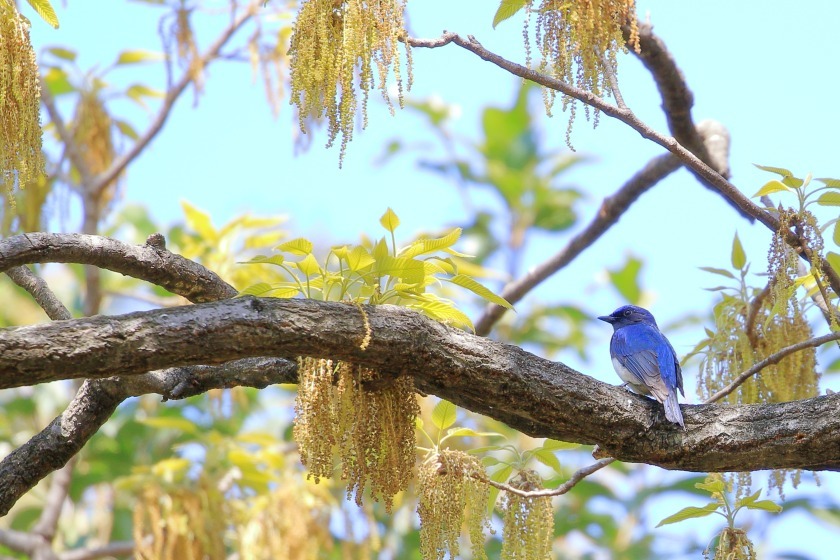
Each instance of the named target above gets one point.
<point>764,69</point>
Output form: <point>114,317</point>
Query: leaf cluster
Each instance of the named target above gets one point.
<point>377,273</point>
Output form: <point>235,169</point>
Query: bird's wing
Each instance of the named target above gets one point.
<point>645,353</point>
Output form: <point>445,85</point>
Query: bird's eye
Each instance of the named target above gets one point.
<point>627,312</point>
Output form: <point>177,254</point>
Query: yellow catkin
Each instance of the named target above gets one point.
<point>372,429</point>
<point>528,522</point>
<point>338,50</point>
<point>449,495</point>
<point>179,524</point>
<point>579,42</point>
<point>21,156</point>
<point>93,131</point>
<point>291,523</point>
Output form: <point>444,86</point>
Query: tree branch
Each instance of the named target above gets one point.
<point>611,210</point>
<point>701,170</point>
<point>533,395</point>
<point>150,262</point>
<point>40,292</point>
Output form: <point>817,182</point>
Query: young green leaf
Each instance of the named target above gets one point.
<point>476,288</point>
<point>747,500</point>
<point>62,53</point>
<point>766,505</point>
<point>422,246</point>
<point>389,220</point>
<point>836,235</point>
<point>834,260</point>
<point>829,182</point>
<point>711,487</point>
<point>739,258</point>
<point>771,187</point>
<point>507,9</point>
<point>719,271</point>
<point>299,246</point>
<point>777,170</point>
<point>46,11</point>
<point>138,56</point>
<point>359,258</point>
<point>829,198</point>
<point>690,513</point>
<point>263,259</point>
<point>549,459</point>
<point>309,265</point>
<point>444,414</point>
<point>556,445</point>
<point>126,129</point>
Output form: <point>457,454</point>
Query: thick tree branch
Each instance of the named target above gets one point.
<point>150,262</point>
<point>701,170</point>
<point>533,395</point>
<point>611,210</point>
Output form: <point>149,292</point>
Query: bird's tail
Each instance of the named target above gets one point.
<point>672,409</point>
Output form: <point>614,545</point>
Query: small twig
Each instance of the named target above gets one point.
<point>613,80</point>
<point>40,292</point>
<point>54,502</point>
<point>770,360</point>
<point>576,477</point>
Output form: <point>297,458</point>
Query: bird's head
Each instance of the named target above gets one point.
<point>628,315</point>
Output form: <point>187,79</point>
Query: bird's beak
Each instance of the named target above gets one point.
<point>607,318</point>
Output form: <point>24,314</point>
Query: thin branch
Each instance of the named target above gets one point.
<point>54,502</point>
<point>19,541</point>
<point>40,292</point>
<point>576,477</point>
<point>700,169</point>
<point>119,548</point>
<point>610,211</point>
<point>172,95</point>
<point>774,358</point>
<point>70,147</point>
<point>613,81</point>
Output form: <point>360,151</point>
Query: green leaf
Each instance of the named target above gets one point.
<point>626,280</point>
<point>442,311</point>
<point>834,260</point>
<point>422,246</point>
<point>507,9</point>
<point>718,271</point>
<point>58,82</point>
<point>556,445</point>
<point>739,258</point>
<point>444,414</point>
<point>711,487</point>
<point>46,11</point>
<point>126,129</point>
<point>409,270</point>
<point>62,53</point>
<point>299,246</point>
<point>771,187</point>
<point>747,500</point>
<point>793,182</point>
<point>690,513</point>
<point>389,220</point>
<point>138,56</point>
<point>836,236</point>
<point>829,182</point>
<point>309,265</point>
<point>469,283</point>
<point>549,459</point>
<point>359,258</point>
<point>777,170</point>
<point>829,198</point>
<point>199,221</point>
<point>469,432</point>
<point>766,505</point>
<point>263,259</point>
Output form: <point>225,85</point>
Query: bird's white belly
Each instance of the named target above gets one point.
<point>627,376</point>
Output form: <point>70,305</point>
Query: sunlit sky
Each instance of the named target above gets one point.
<point>764,69</point>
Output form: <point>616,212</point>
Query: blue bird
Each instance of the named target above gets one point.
<point>644,359</point>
